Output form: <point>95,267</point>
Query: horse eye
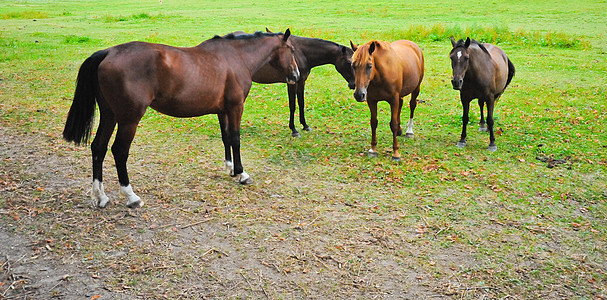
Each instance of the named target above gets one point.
<point>369,66</point>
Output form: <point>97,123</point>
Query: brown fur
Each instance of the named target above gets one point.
<point>212,78</point>
<point>396,70</point>
<point>480,71</point>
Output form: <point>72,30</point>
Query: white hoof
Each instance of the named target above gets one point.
<point>133,200</point>
<point>483,129</point>
<point>244,178</point>
<point>461,144</point>
<point>98,196</point>
<point>229,167</point>
<point>371,153</point>
<point>492,148</point>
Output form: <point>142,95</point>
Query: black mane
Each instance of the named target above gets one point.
<point>461,43</point>
<point>246,36</point>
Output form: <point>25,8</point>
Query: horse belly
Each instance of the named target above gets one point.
<point>185,106</point>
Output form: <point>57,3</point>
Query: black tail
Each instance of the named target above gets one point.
<point>80,118</point>
<point>510,72</point>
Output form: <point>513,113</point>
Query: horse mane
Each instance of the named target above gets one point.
<point>461,43</point>
<point>246,36</point>
<point>378,44</point>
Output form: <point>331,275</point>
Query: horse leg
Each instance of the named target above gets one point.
<point>465,119</point>
<point>225,138</point>
<point>120,150</point>
<point>481,105</point>
<point>99,149</point>
<point>412,106</point>
<point>291,90</point>
<point>400,108</point>
<point>490,107</point>
<point>234,118</point>
<point>373,109</point>
<point>395,106</point>
<point>301,102</point>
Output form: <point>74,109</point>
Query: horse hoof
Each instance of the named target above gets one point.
<point>461,144</point>
<point>295,134</point>
<point>483,129</point>
<point>135,203</point>
<point>102,202</point>
<point>307,128</point>
<point>247,181</point>
<point>395,158</point>
<point>492,148</point>
<point>409,135</point>
<point>372,153</point>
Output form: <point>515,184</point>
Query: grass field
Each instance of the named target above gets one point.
<point>323,219</point>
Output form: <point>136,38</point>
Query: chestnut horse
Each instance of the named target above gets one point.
<point>211,78</point>
<point>388,71</point>
<point>309,53</point>
<point>480,71</point>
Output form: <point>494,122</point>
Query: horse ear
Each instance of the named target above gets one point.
<point>344,50</point>
<point>371,48</point>
<point>287,34</point>
<point>354,47</point>
<point>467,42</point>
<point>268,30</point>
<point>453,42</point>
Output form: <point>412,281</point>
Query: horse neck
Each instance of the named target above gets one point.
<point>256,52</point>
<point>318,52</point>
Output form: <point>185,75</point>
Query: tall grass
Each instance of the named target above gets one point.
<point>28,14</point>
<point>491,34</point>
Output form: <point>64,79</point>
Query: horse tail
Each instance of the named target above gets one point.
<point>80,117</point>
<point>511,71</point>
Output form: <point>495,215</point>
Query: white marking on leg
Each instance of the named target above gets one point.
<point>410,127</point>
<point>100,199</point>
<point>132,199</point>
<point>229,167</point>
<point>243,177</point>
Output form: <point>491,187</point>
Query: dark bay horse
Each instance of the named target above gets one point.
<point>480,71</point>
<point>212,78</point>
<point>309,53</point>
<point>388,71</point>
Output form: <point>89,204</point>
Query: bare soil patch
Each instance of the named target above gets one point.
<point>191,241</point>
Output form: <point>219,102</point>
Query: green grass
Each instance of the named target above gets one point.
<point>503,220</point>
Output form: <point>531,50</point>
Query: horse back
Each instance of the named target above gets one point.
<point>138,74</point>
<point>411,63</point>
<point>499,59</point>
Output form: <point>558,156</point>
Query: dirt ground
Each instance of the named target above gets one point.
<point>55,244</point>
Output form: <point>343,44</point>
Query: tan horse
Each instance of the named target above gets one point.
<point>389,72</point>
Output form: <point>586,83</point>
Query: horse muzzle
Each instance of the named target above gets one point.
<point>360,95</point>
<point>457,84</point>
<point>293,77</point>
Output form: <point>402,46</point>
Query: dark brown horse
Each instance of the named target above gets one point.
<point>388,71</point>
<point>211,78</point>
<point>480,71</point>
<point>309,53</point>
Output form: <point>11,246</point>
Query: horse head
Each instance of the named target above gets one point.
<point>284,59</point>
<point>343,65</point>
<point>362,66</point>
<point>460,58</point>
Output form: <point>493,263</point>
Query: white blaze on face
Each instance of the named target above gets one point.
<point>459,55</point>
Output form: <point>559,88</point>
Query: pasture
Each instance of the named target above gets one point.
<point>322,220</point>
